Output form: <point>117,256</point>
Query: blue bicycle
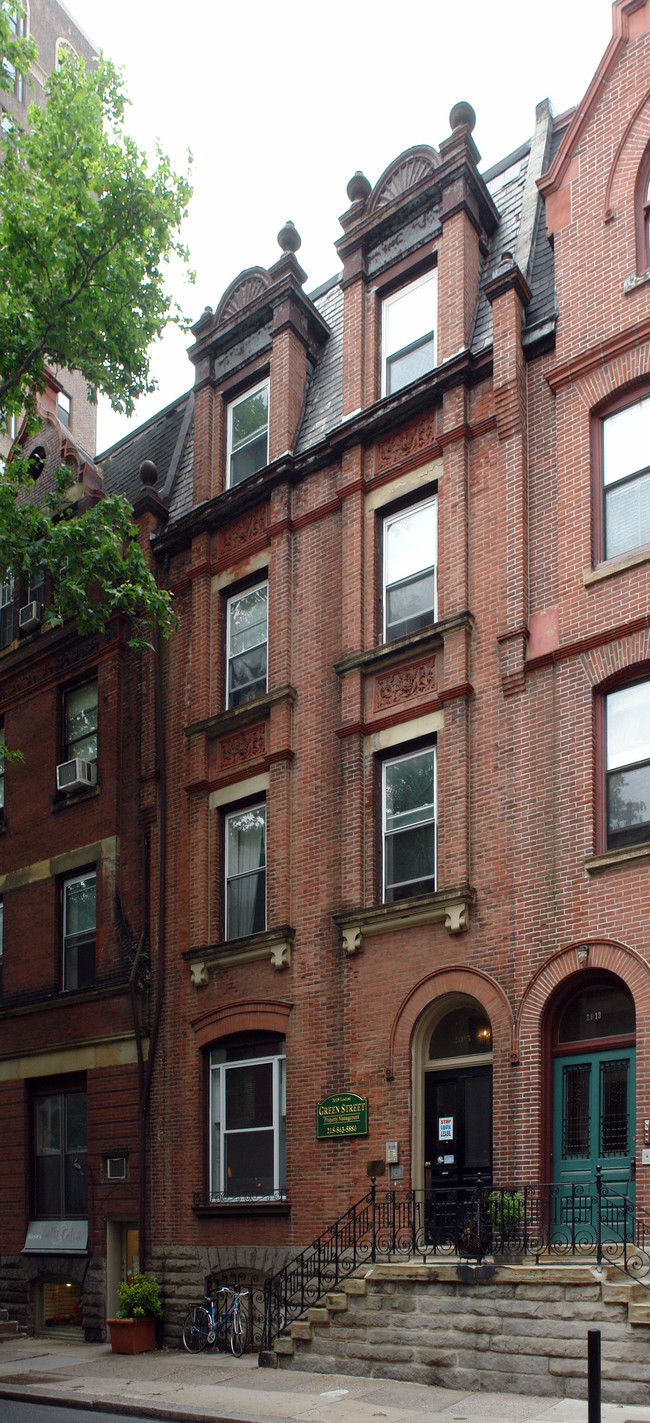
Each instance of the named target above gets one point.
<point>202,1326</point>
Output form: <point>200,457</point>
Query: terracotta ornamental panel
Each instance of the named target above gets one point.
<point>405,684</point>
<point>249,744</point>
<point>246,530</point>
<point>405,444</point>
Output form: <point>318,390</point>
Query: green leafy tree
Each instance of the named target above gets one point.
<point>87,229</point>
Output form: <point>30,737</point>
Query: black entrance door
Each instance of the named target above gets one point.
<point>458,1127</point>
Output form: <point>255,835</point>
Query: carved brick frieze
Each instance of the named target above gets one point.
<point>404,684</point>
<point>245,530</point>
<point>38,672</point>
<point>403,444</point>
<point>249,744</point>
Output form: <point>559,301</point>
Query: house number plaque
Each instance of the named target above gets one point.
<point>342,1114</point>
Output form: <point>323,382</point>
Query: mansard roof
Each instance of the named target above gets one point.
<point>167,438</point>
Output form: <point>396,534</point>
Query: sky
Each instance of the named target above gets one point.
<point>280,104</point>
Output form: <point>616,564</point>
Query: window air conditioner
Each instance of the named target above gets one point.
<point>75,775</point>
<point>30,617</point>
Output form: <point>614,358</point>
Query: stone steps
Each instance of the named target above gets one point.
<point>9,1328</point>
<point>475,1328</point>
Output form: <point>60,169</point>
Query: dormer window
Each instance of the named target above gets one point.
<point>409,333</point>
<point>63,408</point>
<point>248,434</point>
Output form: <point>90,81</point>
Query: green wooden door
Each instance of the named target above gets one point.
<point>593,1119</point>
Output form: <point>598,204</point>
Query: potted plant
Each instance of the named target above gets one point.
<point>506,1215</point>
<point>133,1331</point>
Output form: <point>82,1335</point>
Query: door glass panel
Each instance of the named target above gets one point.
<point>575,1115</point>
<point>613,1108</point>
<point>478,1123</point>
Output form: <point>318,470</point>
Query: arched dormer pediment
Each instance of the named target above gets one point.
<point>405,172</point>
<point>241,293</point>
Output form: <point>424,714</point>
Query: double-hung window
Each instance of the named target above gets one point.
<point>246,872</point>
<point>248,434</point>
<point>627,738</point>
<point>63,408</point>
<point>626,478</point>
<point>79,908</point>
<point>409,825</point>
<point>6,610</point>
<point>409,333</point>
<point>61,1155</point>
<point>247,645</point>
<point>80,731</point>
<point>247,1118</point>
<point>410,559</point>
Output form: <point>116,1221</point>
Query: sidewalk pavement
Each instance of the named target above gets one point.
<point>215,1386</point>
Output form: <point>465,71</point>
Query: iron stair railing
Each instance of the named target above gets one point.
<point>545,1222</point>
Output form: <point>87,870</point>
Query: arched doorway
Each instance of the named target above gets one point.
<point>453,1093</point>
<point>593,1063</point>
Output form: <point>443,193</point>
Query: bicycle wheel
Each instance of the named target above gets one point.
<point>196,1328</point>
<point>238,1332</point>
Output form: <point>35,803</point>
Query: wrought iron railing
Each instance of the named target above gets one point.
<point>544,1222</point>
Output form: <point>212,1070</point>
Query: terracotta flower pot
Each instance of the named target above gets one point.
<point>132,1336</point>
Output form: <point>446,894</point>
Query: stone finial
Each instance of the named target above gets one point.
<point>462,116</point>
<point>358,189</point>
<point>289,238</point>
<point>148,472</point>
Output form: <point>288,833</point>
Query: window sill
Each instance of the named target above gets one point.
<point>616,565</point>
<point>609,861</point>
<point>63,802</point>
<point>206,1210</point>
<point>235,717</point>
<point>377,657</point>
<point>274,944</point>
<point>451,905</point>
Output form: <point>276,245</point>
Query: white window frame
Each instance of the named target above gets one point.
<point>67,884</point>
<point>618,767</point>
<point>241,810</point>
<point>257,588</point>
<point>218,1071</point>
<point>392,761</point>
<point>391,301</point>
<point>630,478</point>
<point>70,746</point>
<point>64,408</point>
<point>388,521</point>
<point>261,385</point>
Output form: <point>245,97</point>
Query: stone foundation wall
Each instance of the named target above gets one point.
<point>521,1335</point>
<point>185,1274</point>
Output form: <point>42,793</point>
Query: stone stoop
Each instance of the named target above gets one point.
<point>10,1328</point>
<point>515,1328</point>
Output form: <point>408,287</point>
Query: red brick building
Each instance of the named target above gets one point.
<point>399,825</point>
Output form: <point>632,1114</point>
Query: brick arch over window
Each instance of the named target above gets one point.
<point>455,979</point>
<point>605,955</point>
<point>253,1016</point>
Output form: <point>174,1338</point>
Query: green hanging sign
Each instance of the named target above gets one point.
<point>342,1114</point>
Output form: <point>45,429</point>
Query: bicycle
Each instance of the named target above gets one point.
<point>202,1327</point>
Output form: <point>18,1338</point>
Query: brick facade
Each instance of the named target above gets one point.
<point>533,627</point>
